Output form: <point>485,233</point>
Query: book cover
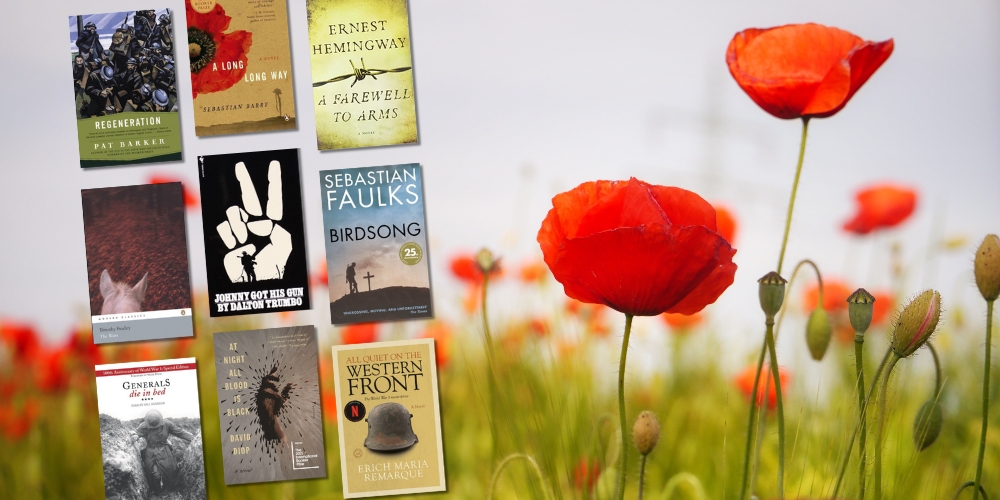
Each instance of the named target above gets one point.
<point>269,406</point>
<point>124,87</point>
<point>151,438</point>
<point>241,67</point>
<point>390,428</point>
<point>137,262</point>
<point>254,244</point>
<point>376,242</point>
<point>362,73</point>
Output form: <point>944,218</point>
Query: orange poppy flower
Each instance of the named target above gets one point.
<point>726,222</point>
<point>881,206</point>
<point>441,333</point>
<point>218,59</point>
<point>330,409</point>
<point>358,333</point>
<point>190,200</point>
<point>585,474</point>
<point>320,277</point>
<point>539,326</point>
<point>682,323</point>
<point>744,381</point>
<point>803,70</point>
<point>465,268</point>
<point>638,248</point>
<point>884,304</point>
<point>835,294</point>
<point>533,272</point>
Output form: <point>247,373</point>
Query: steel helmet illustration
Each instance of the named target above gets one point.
<point>107,73</point>
<point>389,428</point>
<point>160,98</point>
<point>153,419</point>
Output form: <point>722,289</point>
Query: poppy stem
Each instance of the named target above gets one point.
<point>491,366</point>
<point>642,472</point>
<point>986,401</point>
<point>795,188</point>
<point>859,360</point>
<point>880,423</point>
<point>533,467</point>
<point>780,407</point>
<point>750,423</point>
<point>621,408</point>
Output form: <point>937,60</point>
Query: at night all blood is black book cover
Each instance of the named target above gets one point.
<point>254,245</point>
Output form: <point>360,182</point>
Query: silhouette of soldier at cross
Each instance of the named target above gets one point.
<point>350,278</point>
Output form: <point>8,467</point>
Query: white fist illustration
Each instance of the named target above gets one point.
<point>269,262</point>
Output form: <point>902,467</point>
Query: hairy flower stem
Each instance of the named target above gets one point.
<point>750,423</point>
<point>642,472</point>
<point>491,366</point>
<point>795,188</point>
<point>621,408</point>
<point>986,400</point>
<point>859,360</point>
<point>854,434</point>
<point>880,423</point>
<point>781,409</point>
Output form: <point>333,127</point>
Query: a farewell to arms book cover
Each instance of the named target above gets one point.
<point>254,243</point>
<point>390,418</point>
<point>151,436</point>
<point>137,262</point>
<point>124,87</point>
<point>376,244</point>
<point>269,405</point>
<point>362,72</point>
<point>241,67</point>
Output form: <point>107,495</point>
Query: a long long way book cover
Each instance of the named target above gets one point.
<point>241,67</point>
<point>362,70</point>
<point>137,262</point>
<point>151,436</point>
<point>124,87</point>
<point>390,425</point>
<point>269,405</point>
<point>376,241</point>
<point>254,243</point>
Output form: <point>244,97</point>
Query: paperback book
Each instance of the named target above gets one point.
<point>390,421</point>
<point>269,406</point>
<point>376,241</point>
<point>254,245</point>
<point>362,73</point>
<point>151,438</point>
<point>124,87</point>
<point>137,262</point>
<point>241,68</point>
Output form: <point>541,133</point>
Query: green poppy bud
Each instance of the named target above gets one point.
<point>916,323</point>
<point>485,261</point>
<point>987,267</point>
<point>859,307</point>
<point>927,425</point>
<point>646,432</point>
<point>772,293</point>
<point>818,333</point>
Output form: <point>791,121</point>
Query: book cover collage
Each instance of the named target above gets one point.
<point>128,104</point>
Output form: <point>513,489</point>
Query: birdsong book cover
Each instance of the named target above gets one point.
<point>124,87</point>
<point>269,406</point>
<point>390,425</point>
<point>376,241</point>
<point>254,243</point>
<point>241,67</point>
<point>151,437</point>
<point>362,72</point>
<point>137,262</point>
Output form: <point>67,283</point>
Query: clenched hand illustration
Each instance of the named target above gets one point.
<point>246,224</point>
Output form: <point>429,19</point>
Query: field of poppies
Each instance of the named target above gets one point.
<point>905,404</point>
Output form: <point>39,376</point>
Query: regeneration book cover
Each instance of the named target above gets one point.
<point>376,241</point>
<point>124,87</point>
<point>241,67</point>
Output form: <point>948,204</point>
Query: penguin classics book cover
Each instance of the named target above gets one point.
<point>151,436</point>
<point>269,405</point>
<point>362,72</point>
<point>241,67</point>
<point>389,418</point>
<point>254,243</point>
<point>376,240</point>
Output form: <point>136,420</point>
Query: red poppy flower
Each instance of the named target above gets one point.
<point>881,206</point>
<point>218,59</point>
<point>585,474</point>
<point>726,222</point>
<point>533,272</point>
<point>540,326</point>
<point>23,340</point>
<point>682,323</point>
<point>745,383</point>
<point>803,70</point>
<point>190,200</point>
<point>53,371</point>
<point>441,333</point>
<point>884,303</point>
<point>330,409</point>
<point>320,277</point>
<point>358,333</point>
<point>638,248</point>
<point>835,294</point>
<point>466,268</point>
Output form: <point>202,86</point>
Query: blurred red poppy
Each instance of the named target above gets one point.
<point>80,342</point>
<point>441,333</point>
<point>638,248</point>
<point>15,424</point>
<point>539,326</point>
<point>835,294</point>
<point>533,272</point>
<point>330,410</point>
<point>884,304</point>
<point>881,206</point>
<point>465,268</point>
<point>803,70</point>
<point>744,381</point>
<point>190,200</point>
<point>22,338</point>
<point>218,59</point>
<point>320,277</point>
<point>682,323</point>
<point>726,222</point>
<point>52,371</point>
<point>585,474</point>
<point>358,333</point>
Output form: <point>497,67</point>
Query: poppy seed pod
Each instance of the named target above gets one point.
<point>860,306</point>
<point>772,293</point>
<point>818,333</point>
<point>916,323</point>
<point>987,267</point>
<point>485,261</point>
<point>927,425</point>
<point>646,432</point>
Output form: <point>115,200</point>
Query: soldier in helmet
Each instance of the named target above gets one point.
<point>128,81</point>
<point>161,33</point>
<point>141,97</point>
<point>159,461</point>
<point>164,79</point>
<point>101,90</point>
<point>160,101</point>
<point>89,45</point>
<point>144,21</point>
